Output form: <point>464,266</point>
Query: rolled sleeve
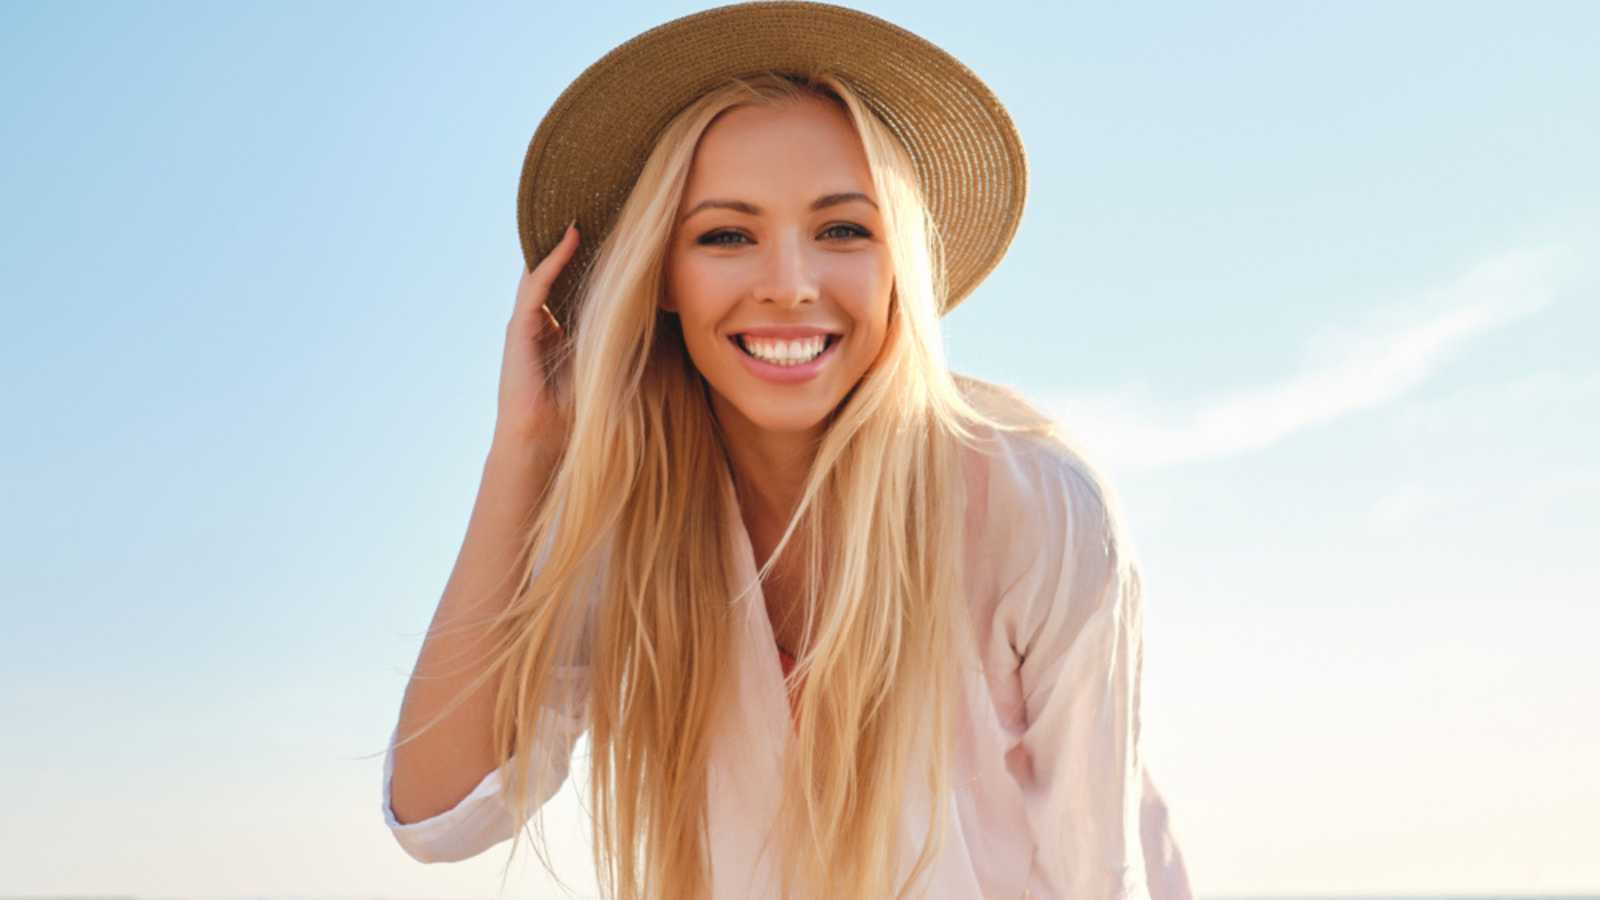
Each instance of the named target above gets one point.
<point>485,817</point>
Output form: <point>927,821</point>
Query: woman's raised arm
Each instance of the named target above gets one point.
<point>436,770</point>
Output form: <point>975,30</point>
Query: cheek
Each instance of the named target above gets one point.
<point>871,299</point>
<point>696,303</point>
<point>698,287</point>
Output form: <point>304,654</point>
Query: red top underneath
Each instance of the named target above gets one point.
<point>787,662</point>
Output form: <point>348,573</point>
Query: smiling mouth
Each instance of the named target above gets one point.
<point>827,343</point>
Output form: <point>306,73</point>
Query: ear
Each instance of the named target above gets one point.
<point>666,303</point>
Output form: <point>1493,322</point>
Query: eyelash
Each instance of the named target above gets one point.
<point>709,238</point>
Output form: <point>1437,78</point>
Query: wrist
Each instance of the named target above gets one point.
<point>519,454</point>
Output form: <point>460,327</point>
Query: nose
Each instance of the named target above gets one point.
<point>787,276</point>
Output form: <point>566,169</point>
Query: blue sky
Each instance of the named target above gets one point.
<point>1314,284</point>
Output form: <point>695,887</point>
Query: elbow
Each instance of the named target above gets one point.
<point>442,838</point>
<point>445,838</point>
<point>429,854</point>
<point>419,852</point>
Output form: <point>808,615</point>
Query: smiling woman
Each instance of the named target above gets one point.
<point>797,256</point>
<point>837,621</point>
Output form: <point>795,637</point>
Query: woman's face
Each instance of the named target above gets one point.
<point>777,251</point>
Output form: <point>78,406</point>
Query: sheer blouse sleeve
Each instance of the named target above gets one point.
<point>1073,615</point>
<point>484,817</point>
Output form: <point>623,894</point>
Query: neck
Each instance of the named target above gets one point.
<point>769,474</point>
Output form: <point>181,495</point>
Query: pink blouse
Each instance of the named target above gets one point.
<point>1051,798</point>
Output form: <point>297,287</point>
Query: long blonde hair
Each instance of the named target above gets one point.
<point>626,568</point>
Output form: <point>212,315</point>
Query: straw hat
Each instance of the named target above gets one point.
<point>592,144</point>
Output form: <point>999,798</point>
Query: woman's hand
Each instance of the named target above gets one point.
<point>528,414</point>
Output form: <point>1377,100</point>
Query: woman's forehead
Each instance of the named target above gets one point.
<point>810,146</point>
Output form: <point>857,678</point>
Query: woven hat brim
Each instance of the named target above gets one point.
<point>592,143</point>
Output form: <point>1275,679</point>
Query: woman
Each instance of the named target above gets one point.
<point>751,477</point>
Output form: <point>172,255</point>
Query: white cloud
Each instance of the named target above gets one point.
<point>1347,368</point>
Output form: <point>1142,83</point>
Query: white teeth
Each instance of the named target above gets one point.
<point>784,353</point>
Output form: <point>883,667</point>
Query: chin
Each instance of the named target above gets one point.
<point>782,418</point>
<point>787,421</point>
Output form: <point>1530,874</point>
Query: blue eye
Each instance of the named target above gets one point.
<point>725,238</point>
<point>850,231</point>
<point>711,238</point>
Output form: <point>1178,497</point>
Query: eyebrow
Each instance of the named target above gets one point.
<point>750,209</point>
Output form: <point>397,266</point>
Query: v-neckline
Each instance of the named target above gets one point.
<point>760,631</point>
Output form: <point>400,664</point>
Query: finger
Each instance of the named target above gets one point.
<point>547,269</point>
<point>552,327</point>
<point>534,286</point>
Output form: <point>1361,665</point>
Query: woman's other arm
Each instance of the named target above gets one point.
<point>1163,860</point>
<point>1074,616</point>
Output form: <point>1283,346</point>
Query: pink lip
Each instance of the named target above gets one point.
<point>785,332</point>
<point>785,374</point>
